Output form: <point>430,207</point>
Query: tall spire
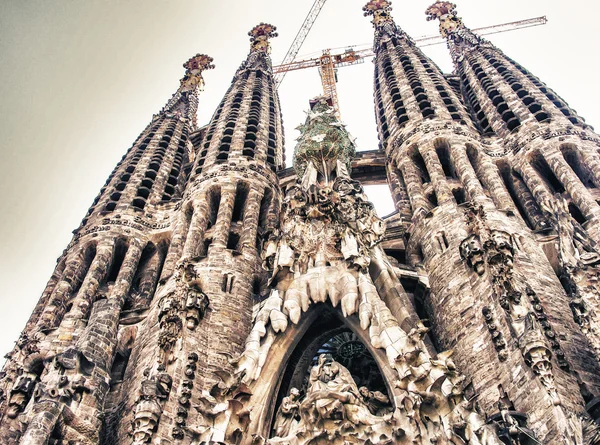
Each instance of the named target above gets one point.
<point>452,28</point>
<point>383,22</point>
<point>185,101</point>
<point>260,48</point>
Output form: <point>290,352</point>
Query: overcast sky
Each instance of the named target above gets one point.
<point>79,80</point>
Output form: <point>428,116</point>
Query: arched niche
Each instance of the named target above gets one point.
<point>294,350</point>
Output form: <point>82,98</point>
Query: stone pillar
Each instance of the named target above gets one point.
<point>250,223</point>
<point>57,305</point>
<point>414,186</point>
<point>398,190</point>
<point>528,204</point>
<point>436,173</point>
<point>490,176</point>
<point>127,272</point>
<point>592,160</point>
<point>535,184</point>
<point>197,226</point>
<point>44,416</point>
<point>177,243</point>
<point>221,229</point>
<point>579,194</point>
<point>89,288</point>
<point>466,173</point>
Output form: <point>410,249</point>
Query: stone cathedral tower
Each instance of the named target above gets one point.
<point>212,296</point>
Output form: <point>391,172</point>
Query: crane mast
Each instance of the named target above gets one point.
<point>300,37</point>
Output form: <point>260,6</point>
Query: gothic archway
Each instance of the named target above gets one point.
<point>292,354</point>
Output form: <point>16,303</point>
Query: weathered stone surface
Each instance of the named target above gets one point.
<point>212,296</point>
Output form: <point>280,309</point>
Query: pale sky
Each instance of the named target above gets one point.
<point>79,80</point>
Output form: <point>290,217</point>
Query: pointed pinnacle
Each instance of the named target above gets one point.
<point>260,35</point>
<point>194,68</point>
<point>446,13</point>
<point>380,10</point>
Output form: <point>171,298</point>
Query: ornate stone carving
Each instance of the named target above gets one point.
<point>148,409</point>
<point>512,427</point>
<point>67,378</point>
<point>21,394</point>
<point>185,395</point>
<point>377,402</point>
<point>329,235</point>
<point>332,410</point>
<point>525,318</point>
<point>170,307</point>
<point>578,257</point>
<point>196,301</point>
<point>460,38</point>
<point>497,337</point>
<point>383,23</point>
<point>471,251</point>
<point>288,416</point>
<point>222,416</point>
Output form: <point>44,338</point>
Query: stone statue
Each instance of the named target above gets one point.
<point>196,301</point>
<point>471,251</point>
<point>148,408</point>
<point>287,415</point>
<point>377,402</point>
<point>21,394</point>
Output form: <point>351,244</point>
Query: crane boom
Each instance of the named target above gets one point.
<point>356,54</point>
<point>300,37</point>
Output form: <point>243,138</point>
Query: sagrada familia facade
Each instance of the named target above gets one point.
<point>212,296</point>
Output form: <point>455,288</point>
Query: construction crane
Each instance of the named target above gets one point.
<point>300,37</point>
<point>328,62</point>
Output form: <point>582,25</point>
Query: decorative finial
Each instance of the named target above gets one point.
<point>446,13</point>
<point>260,35</point>
<point>380,10</point>
<point>194,69</point>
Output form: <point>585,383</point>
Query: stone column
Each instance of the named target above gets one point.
<point>528,204</point>
<point>536,185</point>
<point>436,173</point>
<point>251,218</point>
<point>466,173</point>
<point>592,160</point>
<point>221,229</point>
<point>490,176</point>
<point>196,227</point>
<point>414,185</point>
<point>398,190</point>
<point>44,416</point>
<point>127,272</point>
<point>579,194</point>
<point>177,243</point>
<point>57,305</point>
<point>89,288</point>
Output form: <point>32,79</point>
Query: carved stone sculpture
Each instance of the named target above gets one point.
<point>328,237</point>
<point>287,416</point>
<point>21,394</point>
<point>377,402</point>
<point>170,326</point>
<point>333,409</point>
<point>196,301</point>
<point>471,251</point>
<point>148,408</point>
